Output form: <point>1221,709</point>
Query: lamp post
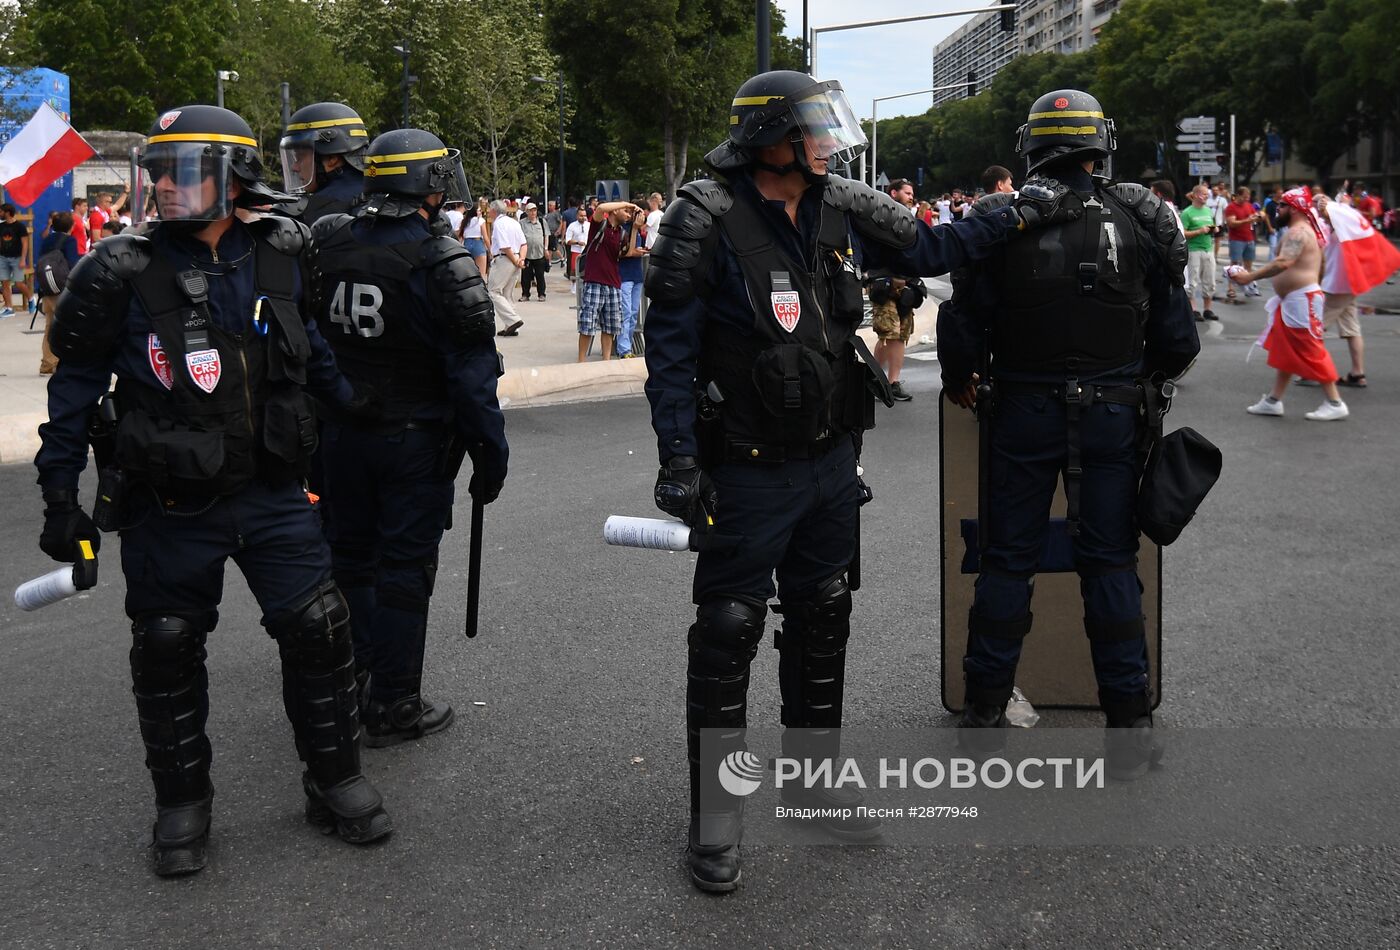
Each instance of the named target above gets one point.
<point>407,81</point>
<point>224,75</point>
<point>563,183</point>
<point>875,121</point>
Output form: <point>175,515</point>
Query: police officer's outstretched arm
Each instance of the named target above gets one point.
<point>464,324</point>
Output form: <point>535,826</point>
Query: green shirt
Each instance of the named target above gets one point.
<point>1193,218</point>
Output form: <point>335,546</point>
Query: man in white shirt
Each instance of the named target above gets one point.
<point>945,210</point>
<point>453,214</point>
<point>1217,202</point>
<point>576,239</point>
<point>507,258</point>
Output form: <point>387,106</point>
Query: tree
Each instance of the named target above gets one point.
<point>127,59</point>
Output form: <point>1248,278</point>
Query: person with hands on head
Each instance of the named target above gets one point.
<point>760,390</point>
<point>202,319</point>
<point>407,312</point>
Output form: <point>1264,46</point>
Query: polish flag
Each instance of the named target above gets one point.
<point>1367,257</point>
<point>42,152</point>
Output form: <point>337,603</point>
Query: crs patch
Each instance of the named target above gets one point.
<point>787,307</point>
<point>205,368</point>
<point>160,362</point>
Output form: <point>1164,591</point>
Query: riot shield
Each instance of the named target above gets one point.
<point>1055,669</point>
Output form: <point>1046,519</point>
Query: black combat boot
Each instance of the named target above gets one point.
<point>404,720</point>
<point>1130,748</point>
<point>982,725</point>
<point>318,689</point>
<point>812,675</point>
<point>171,687</point>
<point>722,641</point>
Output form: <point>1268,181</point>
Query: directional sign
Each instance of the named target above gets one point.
<point>1200,123</point>
<point>1205,168</point>
<point>1202,156</point>
<point>1186,142</point>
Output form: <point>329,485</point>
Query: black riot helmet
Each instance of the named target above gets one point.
<point>189,158</point>
<point>404,167</point>
<point>788,106</point>
<point>322,128</point>
<point>1066,123</point>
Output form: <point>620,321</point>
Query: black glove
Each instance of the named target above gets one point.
<point>365,408</point>
<point>683,490</point>
<point>65,524</point>
<point>484,488</point>
<point>1045,201</point>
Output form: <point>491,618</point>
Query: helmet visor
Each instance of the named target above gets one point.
<point>298,160</point>
<point>451,179</point>
<point>190,180</point>
<point>829,124</point>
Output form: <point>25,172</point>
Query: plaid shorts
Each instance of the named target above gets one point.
<point>601,309</point>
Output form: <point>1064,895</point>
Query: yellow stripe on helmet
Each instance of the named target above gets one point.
<point>202,137</point>
<point>1067,130</point>
<point>406,156</point>
<point>1066,115</point>
<point>376,171</point>
<point>757,100</point>
<point>322,124</point>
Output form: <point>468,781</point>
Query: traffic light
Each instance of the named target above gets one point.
<point>971,83</point>
<point>1008,21</point>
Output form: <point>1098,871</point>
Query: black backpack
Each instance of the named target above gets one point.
<point>50,273</point>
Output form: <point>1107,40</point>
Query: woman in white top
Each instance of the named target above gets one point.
<point>474,236</point>
<point>576,237</point>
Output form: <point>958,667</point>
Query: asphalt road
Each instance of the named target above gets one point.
<point>552,813</point>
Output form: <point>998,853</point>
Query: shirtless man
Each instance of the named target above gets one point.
<point>1294,335</point>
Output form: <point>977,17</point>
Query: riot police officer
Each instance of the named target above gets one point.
<point>202,323</point>
<point>759,391</point>
<point>1074,335</point>
<point>408,316</point>
<point>323,149</point>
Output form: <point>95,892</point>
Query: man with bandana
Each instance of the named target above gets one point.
<point>1293,337</point>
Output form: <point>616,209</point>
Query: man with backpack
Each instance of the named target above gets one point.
<point>58,253</point>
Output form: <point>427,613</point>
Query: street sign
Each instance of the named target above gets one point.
<point>1206,168</point>
<point>1200,123</point>
<point>1184,144</point>
<point>883,181</point>
<point>1202,156</point>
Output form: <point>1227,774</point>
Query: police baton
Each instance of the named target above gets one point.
<point>474,567</point>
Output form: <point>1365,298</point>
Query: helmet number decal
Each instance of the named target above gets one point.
<point>361,317</point>
<point>787,308</point>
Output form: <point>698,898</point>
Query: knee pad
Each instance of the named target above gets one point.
<point>317,632</point>
<point>166,651</point>
<point>726,634</point>
<point>821,622</point>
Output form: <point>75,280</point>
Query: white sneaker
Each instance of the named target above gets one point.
<point>1328,412</point>
<point>6,312</point>
<point>1266,408</point>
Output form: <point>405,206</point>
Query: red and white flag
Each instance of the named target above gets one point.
<point>42,152</point>
<point>1367,257</point>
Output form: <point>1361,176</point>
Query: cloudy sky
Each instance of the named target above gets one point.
<point>880,60</point>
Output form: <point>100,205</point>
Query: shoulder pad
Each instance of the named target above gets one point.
<point>456,293</point>
<point>677,259</point>
<point>287,235</point>
<point>874,214</point>
<point>710,193</point>
<point>1158,220</point>
<point>326,226</point>
<point>990,203</point>
<point>91,312</point>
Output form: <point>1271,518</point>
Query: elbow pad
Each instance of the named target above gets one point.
<point>91,311</point>
<point>457,293</point>
<point>873,214</point>
<point>684,241</point>
<point>1155,218</point>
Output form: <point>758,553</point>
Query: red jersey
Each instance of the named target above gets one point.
<point>1241,211</point>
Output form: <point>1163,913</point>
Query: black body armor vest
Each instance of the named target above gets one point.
<point>234,409</point>
<point>364,307</point>
<point>1074,299</point>
<point>796,379</point>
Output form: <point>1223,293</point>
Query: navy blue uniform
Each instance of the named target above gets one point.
<point>809,534</point>
<point>1028,453</point>
<point>174,562</point>
<point>389,489</point>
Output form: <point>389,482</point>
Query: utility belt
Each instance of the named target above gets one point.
<point>740,451</point>
<point>1077,397</point>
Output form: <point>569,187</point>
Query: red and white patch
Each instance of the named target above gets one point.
<point>205,368</point>
<point>160,362</point>
<point>787,307</point>
<point>167,120</point>
<point>1060,103</point>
